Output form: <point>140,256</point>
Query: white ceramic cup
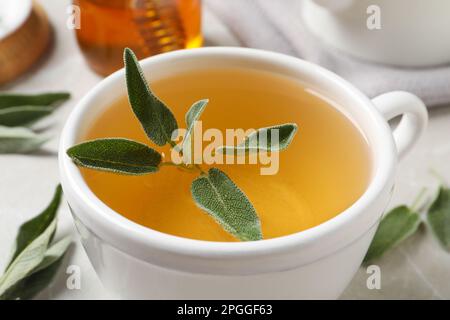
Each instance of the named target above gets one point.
<point>136,262</point>
<point>411,32</point>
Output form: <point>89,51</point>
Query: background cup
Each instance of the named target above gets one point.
<point>411,32</point>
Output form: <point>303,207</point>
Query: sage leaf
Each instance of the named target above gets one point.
<point>155,117</point>
<point>53,253</point>
<point>27,260</point>
<point>31,229</point>
<point>192,116</point>
<point>23,115</point>
<point>262,140</point>
<point>19,140</point>
<point>438,217</point>
<point>399,224</point>
<point>40,277</point>
<point>116,155</point>
<point>46,99</point>
<point>216,194</point>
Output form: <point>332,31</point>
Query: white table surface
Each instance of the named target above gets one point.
<point>417,269</point>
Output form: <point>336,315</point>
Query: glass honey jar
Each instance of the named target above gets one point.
<point>148,27</point>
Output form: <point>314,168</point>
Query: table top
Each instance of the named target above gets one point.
<point>417,269</point>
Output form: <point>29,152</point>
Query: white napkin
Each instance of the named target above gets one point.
<point>276,25</point>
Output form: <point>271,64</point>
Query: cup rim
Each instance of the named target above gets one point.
<point>113,227</point>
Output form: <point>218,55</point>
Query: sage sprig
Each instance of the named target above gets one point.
<point>18,111</point>
<point>399,224</point>
<point>45,99</point>
<point>116,155</point>
<point>403,221</point>
<point>438,217</point>
<point>20,140</point>
<point>23,115</point>
<point>261,139</point>
<point>35,260</point>
<point>155,117</point>
<point>213,191</point>
<point>224,201</point>
<point>193,114</point>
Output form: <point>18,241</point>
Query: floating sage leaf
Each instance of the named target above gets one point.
<point>40,277</point>
<point>227,204</point>
<point>396,226</point>
<point>275,138</point>
<point>116,155</point>
<point>46,99</point>
<point>155,117</point>
<point>31,229</point>
<point>438,217</point>
<point>27,260</point>
<point>192,116</point>
<point>19,140</point>
<point>23,115</point>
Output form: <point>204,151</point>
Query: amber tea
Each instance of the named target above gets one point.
<point>324,171</point>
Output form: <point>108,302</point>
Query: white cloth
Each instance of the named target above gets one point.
<point>276,25</point>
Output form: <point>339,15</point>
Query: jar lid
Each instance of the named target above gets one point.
<point>13,14</point>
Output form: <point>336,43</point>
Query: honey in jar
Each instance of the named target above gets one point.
<point>148,27</point>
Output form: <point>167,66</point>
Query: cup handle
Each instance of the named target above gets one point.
<point>414,117</point>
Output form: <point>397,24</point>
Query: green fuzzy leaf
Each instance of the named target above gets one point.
<point>31,229</point>
<point>23,115</point>
<point>438,217</point>
<point>46,99</point>
<point>40,277</point>
<point>227,204</point>
<point>262,140</point>
<point>53,253</point>
<point>30,258</point>
<point>116,155</point>
<point>155,117</point>
<point>399,224</point>
<point>19,140</point>
<point>192,116</point>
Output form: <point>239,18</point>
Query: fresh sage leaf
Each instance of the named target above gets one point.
<point>27,260</point>
<point>46,99</point>
<point>399,224</point>
<point>40,277</point>
<point>227,204</point>
<point>23,115</point>
<point>194,113</point>
<point>438,217</point>
<point>155,117</point>
<point>53,253</point>
<point>31,229</point>
<point>19,140</point>
<point>34,264</point>
<point>192,116</point>
<point>116,155</point>
<point>261,140</point>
